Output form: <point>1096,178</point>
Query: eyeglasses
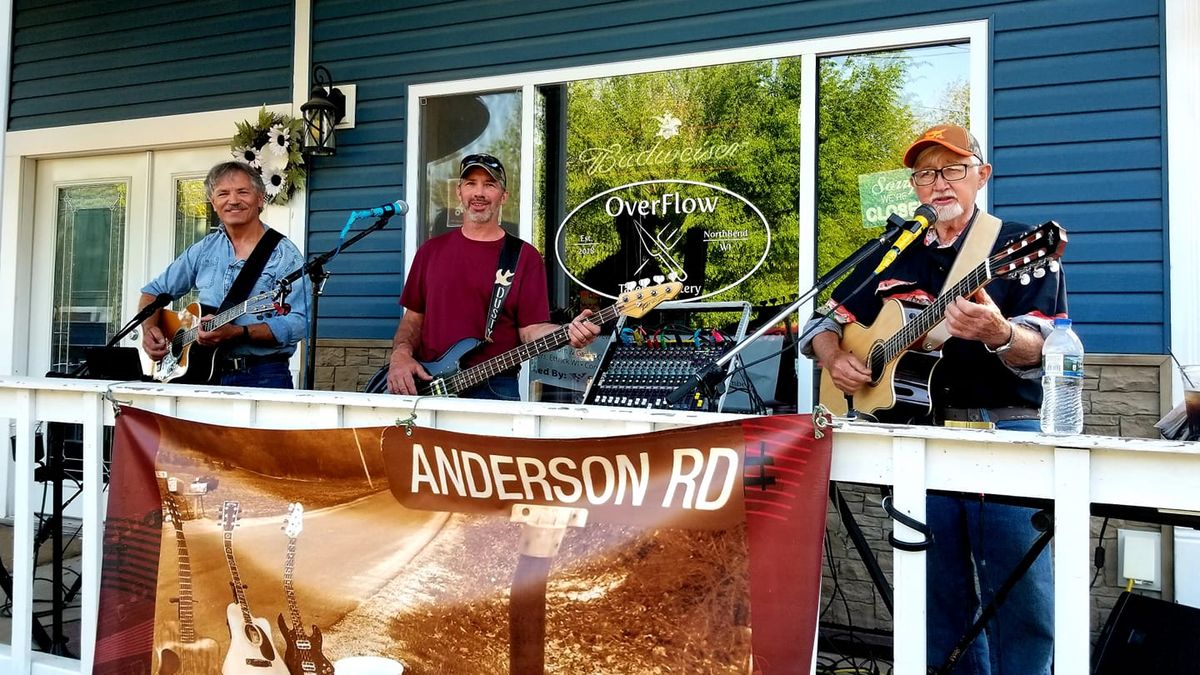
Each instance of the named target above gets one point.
<point>951,172</point>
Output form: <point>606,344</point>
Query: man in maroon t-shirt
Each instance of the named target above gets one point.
<point>450,285</point>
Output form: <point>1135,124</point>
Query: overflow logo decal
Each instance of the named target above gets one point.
<point>707,237</point>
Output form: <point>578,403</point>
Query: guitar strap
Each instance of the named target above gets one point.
<point>975,249</point>
<point>240,289</point>
<point>506,269</point>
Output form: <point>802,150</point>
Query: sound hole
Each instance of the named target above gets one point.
<point>876,362</point>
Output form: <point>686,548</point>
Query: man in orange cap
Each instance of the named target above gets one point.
<point>987,375</point>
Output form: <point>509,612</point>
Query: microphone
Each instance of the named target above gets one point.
<point>923,217</point>
<point>387,210</point>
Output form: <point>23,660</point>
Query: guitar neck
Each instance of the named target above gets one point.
<point>238,592</point>
<point>465,379</point>
<point>288,587</point>
<point>190,335</point>
<point>935,312</point>
<point>187,625</point>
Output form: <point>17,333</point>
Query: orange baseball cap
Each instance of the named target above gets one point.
<point>950,136</point>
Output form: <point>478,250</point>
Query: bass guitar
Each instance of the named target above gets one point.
<point>190,363</point>
<point>901,375</point>
<point>250,648</point>
<point>302,655</point>
<point>187,654</point>
<point>449,380</point>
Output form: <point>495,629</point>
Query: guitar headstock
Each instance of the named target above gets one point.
<point>229,515</point>
<point>293,522</point>
<point>1036,251</point>
<point>636,303</point>
<point>266,303</point>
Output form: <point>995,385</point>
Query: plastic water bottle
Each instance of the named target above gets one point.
<point>1062,381</point>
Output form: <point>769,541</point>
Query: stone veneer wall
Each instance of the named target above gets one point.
<point>1123,396</point>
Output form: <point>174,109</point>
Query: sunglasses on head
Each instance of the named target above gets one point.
<point>486,160</point>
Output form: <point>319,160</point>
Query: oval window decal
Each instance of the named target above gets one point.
<point>707,237</point>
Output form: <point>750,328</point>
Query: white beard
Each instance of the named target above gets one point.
<point>949,212</point>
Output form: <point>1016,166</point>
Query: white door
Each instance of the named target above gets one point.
<point>103,226</point>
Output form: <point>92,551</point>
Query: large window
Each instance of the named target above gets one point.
<point>743,174</point>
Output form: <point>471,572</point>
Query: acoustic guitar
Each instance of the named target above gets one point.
<point>187,362</point>
<point>250,648</point>
<point>900,374</point>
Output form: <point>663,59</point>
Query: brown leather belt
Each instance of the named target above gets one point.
<point>987,414</point>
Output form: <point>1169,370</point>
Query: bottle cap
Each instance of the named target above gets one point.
<point>1062,322</point>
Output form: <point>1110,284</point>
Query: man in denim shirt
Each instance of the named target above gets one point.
<point>253,349</point>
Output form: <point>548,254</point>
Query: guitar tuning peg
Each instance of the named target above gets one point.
<point>1054,265</point>
<point>630,285</point>
<point>673,276</point>
<point>1024,278</point>
<point>1039,272</point>
<point>643,282</point>
<point>658,278</point>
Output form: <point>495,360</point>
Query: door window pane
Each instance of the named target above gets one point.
<point>455,126</point>
<point>89,262</point>
<point>870,107</point>
<point>194,220</point>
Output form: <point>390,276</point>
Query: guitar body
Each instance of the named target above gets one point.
<point>190,363</point>
<point>303,652</point>
<point>201,657</point>
<point>449,362</point>
<point>899,390</point>
<point>250,647</point>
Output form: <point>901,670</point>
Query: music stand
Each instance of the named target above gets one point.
<point>113,363</point>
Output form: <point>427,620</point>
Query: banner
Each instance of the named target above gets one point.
<point>231,550</point>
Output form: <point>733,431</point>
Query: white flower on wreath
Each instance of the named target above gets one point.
<point>269,159</point>
<point>274,181</point>
<point>278,140</point>
<point>248,154</point>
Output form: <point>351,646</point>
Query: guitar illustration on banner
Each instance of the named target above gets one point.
<point>303,653</point>
<point>901,375</point>
<point>449,380</point>
<point>187,362</point>
<point>186,654</point>
<point>250,648</point>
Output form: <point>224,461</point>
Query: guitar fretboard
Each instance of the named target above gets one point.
<point>187,626</point>
<point>238,591</point>
<point>288,587</point>
<point>187,337</point>
<point>930,316</point>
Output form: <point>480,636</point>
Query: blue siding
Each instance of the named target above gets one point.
<point>80,62</point>
<point>1076,119</point>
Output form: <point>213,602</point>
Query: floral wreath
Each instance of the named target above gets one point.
<point>272,148</point>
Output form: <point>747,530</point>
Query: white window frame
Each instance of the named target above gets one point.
<point>976,33</point>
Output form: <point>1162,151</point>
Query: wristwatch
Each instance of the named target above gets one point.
<point>1012,333</point>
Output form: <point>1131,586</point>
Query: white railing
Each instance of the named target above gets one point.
<point>1071,472</point>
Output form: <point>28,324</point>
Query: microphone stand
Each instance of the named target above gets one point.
<point>318,275</point>
<point>711,374</point>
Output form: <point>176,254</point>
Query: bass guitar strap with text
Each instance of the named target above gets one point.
<point>506,269</point>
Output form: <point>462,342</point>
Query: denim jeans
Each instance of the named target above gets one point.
<point>496,388</point>
<point>272,375</point>
<point>976,544</point>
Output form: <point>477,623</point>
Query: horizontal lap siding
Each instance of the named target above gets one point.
<point>1076,131</point>
<point>1077,137</point>
<point>82,62</point>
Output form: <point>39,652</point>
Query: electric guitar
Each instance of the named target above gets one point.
<point>901,375</point>
<point>250,648</point>
<point>449,380</point>
<point>190,363</point>
<point>187,655</point>
<point>303,653</point>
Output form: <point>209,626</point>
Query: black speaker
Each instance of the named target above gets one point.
<point>1146,635</point>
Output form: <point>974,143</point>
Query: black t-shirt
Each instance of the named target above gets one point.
<point>968,376</point>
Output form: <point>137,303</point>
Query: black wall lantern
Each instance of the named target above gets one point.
<point>325,108</point>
